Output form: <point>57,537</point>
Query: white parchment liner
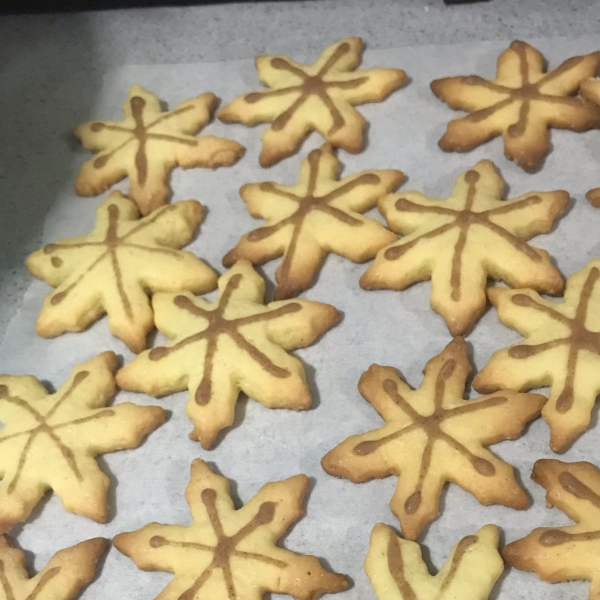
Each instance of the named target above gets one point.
<point>389,328</point>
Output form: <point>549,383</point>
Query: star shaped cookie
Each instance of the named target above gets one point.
<point>432,435</point>
<point>561,350</point>
<point>462,241</point>
<point>147,144</point>
<point>234,344</point>
<point>320,96</point>
<point>49,441</point>
<point>318,215</point>
<point>571,552</point>
<point>397,570</point>
<point>590,89</point>
<point>115,266</point>
<point>521,104</point>
<point>66,574</point>
<point>229,554</point>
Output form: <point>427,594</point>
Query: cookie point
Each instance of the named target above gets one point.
<point>593,197</point>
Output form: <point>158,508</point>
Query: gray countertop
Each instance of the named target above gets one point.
<point>51,67</point>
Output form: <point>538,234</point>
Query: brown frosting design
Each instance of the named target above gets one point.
<point>66,574</point>
<point>218,325</point>
<point>571,552</point>
<point>397,571</point>
<point>226,545</point>
<point>432,436</point>
<point>317,216</point>
<point>220,533</point>
<point>460,242</point>
<point>315,85</point>
<point>562,344</point>
<point>316,96</point>
<point>68,428</point>
<point>520,104</point>
<point>147,144</point>
<point>232,345</point>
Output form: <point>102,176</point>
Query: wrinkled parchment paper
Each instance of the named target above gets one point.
<point>389,328</point>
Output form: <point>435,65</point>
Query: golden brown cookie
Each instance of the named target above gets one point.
<point>432,435</point>
<point>147,144</point>
<point>66,574</point>
<point>318,215</point>
<point>571,552</point>
<point>320,96</point>
<point>229,554</point>
<point>590,89</point>
<point>521,104</point>
<point>234,344</point>
<point>115,266</point>
<point>49,441</point>
<point>462,241</point>
<point>397,570</point>
<point>561,350</point>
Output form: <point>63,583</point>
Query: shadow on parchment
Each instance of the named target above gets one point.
<point>50,83</point>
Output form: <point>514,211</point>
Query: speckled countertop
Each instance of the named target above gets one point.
<point>51,67</point>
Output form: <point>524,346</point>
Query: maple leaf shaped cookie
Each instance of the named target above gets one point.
<point>115,266</point>
<point>462,241</point>
<point>229,554</point>
<point>49,441</point>
<point>397,570</point>
<point>521,104</point>
<point>432,436</point>
<point>317,216</point>
<point>320,96</point>
<point>147,144</point>
<point>63,578</point>
<point>561,350</point>
<point>590,89</point>
<point>571,552</point>
<point>234,344</point>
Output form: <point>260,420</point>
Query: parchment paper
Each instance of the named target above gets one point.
<point>389,328</point>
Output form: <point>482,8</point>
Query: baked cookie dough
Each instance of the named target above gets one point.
<point>235,344</point>
<point>114,267</point>
<point>397,570</point>
<point>147,144</point>
<point>432,436</point>
<point>521,104</point>
<point>320,96</point>
<point>462,241</point>
<point>229,554</point>
<point>50,441</point>
<point>319,215</point>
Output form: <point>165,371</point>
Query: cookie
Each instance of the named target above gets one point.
<point>229,554</point>
<point>590,89</point>
<point>397,570</point>
<point>318,215</point>
<point>147,144</point>
<point>66,574</point>
<point>113,268</point>
<point>521,104</point>
<point>49,441</point>
<point>320,96</point>
<point>236,344</point>
<point>432,436</point>
<point>561,350</point>
<point>462,241</point>
<point>571,552</point>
